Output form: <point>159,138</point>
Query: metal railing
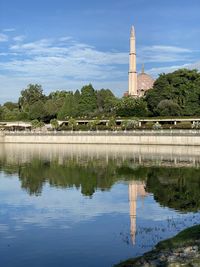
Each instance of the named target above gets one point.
<point>174,132</point>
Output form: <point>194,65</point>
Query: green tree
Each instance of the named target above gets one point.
<point>88,100</point>
<point>105,101</point>
<point>168,108</point>
<point>129,106</point>
<point>182,87</point>
<point>50,109</point>
<point>77,99</point>
<point>37,111</point>
<point>11,106</point>
<point>33,93</point>
<point>9,115</point>
<point>58,98</point>
<point>69,108</point>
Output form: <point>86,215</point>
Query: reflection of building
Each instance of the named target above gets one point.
<point>136,188</point>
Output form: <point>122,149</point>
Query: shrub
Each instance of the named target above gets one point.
<point>196,125</point>
<point>157,126</point>
<point>148,125</point>
<point>183,125</point>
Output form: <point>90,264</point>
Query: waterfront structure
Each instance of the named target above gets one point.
<point>137,84</point>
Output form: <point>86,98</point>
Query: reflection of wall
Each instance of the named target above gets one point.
<point>144,155</point>
<point>136,189</point>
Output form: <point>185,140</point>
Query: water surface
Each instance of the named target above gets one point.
<point>76,205</point>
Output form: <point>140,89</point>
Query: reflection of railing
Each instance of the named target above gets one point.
<point>102,133</point>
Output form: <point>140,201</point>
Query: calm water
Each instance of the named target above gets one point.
<point>93,205</point>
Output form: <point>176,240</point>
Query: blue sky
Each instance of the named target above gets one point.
<point>66,44</point>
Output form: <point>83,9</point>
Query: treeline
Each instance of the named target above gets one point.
<point>87,103</point>
<point>173,94</point>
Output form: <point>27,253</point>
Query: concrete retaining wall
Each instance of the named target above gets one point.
<point>108,138</point>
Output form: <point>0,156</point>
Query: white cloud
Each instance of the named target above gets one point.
<point>78,52</point>
<point>19,38</point>
<point>163,48</point>
<point>4,54</point>
<point>65,39</point>
<point>9,30</point>
<point>167,69</point>
<point>66,64</point>
<point>161,54</point>
<point>3,37</point>
<point>62,63</point>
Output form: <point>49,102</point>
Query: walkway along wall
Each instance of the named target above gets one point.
<point>189,138</point>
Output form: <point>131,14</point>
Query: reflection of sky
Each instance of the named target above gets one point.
<point>61,225</point>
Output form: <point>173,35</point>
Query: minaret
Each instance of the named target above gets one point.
<point>132,75</point>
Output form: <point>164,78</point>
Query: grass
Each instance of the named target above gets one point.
<point>186,237</point>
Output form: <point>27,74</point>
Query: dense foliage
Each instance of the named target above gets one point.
<point>176,93</point>
<point>173,94</point>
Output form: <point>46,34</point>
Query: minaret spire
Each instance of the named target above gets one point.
<point>132,31</point>
<point>132,86</point>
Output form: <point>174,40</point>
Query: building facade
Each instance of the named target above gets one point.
<point>138,84</point>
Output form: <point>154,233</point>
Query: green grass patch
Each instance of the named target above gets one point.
<point>186,237</point>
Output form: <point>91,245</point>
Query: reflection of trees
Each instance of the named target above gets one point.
<point>89,176</point>
<point>175,188</point>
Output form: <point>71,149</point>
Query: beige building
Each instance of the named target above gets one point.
<point>144,83</point>
<point>132,75</point>
<point>137,84</point>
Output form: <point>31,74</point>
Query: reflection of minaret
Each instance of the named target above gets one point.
<point>135,189</point>
<point>132,75</point>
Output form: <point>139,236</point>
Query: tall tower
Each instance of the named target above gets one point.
<point>132,75</point>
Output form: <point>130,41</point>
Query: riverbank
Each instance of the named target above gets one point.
<point>181,250</point>
<point>137,137</point>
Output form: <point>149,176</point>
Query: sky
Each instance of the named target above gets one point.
<point>64,45</point>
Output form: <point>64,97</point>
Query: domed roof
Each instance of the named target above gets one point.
<point>144,82</point>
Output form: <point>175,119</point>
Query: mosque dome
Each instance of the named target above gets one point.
<point>144,83</point>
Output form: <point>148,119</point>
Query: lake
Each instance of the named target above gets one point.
<point>94,205</point>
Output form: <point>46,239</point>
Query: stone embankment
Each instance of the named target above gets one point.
<point>182,250</point>
<point>184,256</point>
<point>161,137</point>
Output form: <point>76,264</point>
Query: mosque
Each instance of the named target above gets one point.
<point>138,84</point>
